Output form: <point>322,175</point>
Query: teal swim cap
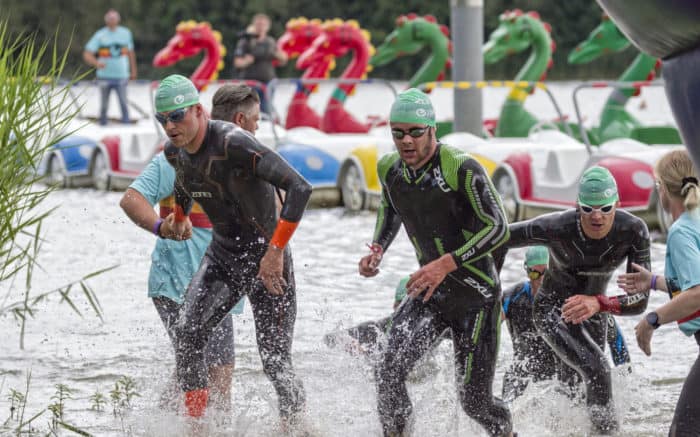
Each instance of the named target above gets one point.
<point>401,290</point>
<point>175,92</point>
<point>597,187</point>
<point>413,106</point>
<point>536,255</point>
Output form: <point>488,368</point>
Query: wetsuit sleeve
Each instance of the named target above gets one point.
<point>478,190</point>
<point>271,167</point>
<point>536,231</point>
<point>639,253</point>
<point>388,221</point>
<point>182,197</point>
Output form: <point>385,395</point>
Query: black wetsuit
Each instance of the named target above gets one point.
<point>582,265</point>
<point>233,177</point>
<point>447,206</point>
<point>532,356</point>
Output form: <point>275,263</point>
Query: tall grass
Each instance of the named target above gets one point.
<point>35,113</point>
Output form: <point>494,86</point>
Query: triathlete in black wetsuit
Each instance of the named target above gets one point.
<point>532,356</point>
<point>452,214</point>
<point>586,245</point>
<point>233,177</point>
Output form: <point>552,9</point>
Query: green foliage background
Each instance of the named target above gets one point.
<point>153,23</point>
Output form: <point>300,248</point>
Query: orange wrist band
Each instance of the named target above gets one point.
<point>283,232</point>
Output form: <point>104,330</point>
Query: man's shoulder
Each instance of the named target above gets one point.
<point>513,290</point>
<point>633,224</point>
<point>386,162</point>
<point>170,152</point>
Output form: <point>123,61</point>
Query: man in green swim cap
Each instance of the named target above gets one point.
<point>452,214</point>
<point>234,178</point>
<point>572,309</point>
<point>412,120</point>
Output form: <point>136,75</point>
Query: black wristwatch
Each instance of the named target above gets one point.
<point>653,319</point>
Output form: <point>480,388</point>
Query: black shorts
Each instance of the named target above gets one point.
<point>220,349</point>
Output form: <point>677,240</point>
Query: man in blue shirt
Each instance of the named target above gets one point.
<point>111,52</point>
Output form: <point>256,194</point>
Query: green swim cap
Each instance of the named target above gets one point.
<point>175,92</point>
<point>413,106</point>
<point>401,290</point>
<point>597,187</point>
<point>536,255</point>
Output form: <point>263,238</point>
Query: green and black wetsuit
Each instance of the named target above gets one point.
<point>582,265</point>
<point>447,206</point>
<point>233,177</point>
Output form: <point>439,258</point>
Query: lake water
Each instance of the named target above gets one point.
<point>89,231</point>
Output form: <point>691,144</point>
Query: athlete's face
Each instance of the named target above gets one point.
<point>597,221</point>
<point>536,272</point>
<point>415,143</point>
<point>182,129</point>
<point>248,120</point>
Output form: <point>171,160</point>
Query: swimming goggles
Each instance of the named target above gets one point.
<point>175,116</point>
<point>414,132</point>
<point>534,274</point>
<point>605,209</point>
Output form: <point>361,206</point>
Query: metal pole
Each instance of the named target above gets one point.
<point>467,27</point>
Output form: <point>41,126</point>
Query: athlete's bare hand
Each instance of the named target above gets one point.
<point>430,276</point>
<point>174,230</point>
<point>579,308</point>
<point>271,270</point>
<point>369,265</point>
<point>644,331</point>
<point>637,282</point>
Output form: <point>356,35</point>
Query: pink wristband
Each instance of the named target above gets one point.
<point>156,227</point>
<point>653,281</point>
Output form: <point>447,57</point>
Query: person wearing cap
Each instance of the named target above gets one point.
<point>233,177</point>
<point>532,357</point>
<point>586,245</point>
<point>679,192</point>
<point>173,263</point>
<point>452,214</point>
<point>110,51</point>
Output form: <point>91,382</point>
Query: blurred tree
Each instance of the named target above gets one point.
<point>152,23</point>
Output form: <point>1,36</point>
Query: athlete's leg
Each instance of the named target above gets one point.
<point>414,329</point>
<point>578,346</point>
<point>476,349</point>
<point>367,338</point>
<point>616,341</point>
<point>274,329</point>
<point>220,357</point>
<point>686,419</point>
<point>168,311</point>
<point>515,381</point>
<point>210,296</point>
